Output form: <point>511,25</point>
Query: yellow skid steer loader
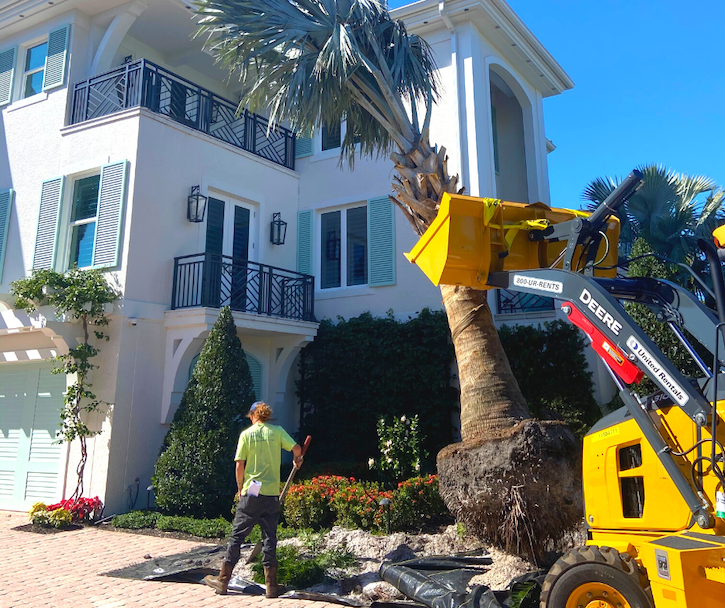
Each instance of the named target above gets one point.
<point>654,485</point>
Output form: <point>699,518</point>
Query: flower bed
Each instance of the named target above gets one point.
<point>66,512</point>
<point>333,500</point>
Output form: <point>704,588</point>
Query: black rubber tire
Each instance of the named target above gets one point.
<point>596,564</point>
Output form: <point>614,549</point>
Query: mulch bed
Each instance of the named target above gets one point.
<point>166,534</point>
<point>36,529</point>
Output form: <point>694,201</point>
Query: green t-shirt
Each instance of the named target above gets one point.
<point>260,448</point>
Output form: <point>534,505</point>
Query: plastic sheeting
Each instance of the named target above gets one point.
<point>443,582</point>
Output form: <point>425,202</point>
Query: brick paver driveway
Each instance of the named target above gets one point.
<point>62,570</point>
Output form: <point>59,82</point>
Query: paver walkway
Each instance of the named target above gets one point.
<point>63,570</point>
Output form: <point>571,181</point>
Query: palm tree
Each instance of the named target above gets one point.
<point>670,211</point>
<point>313,63</point>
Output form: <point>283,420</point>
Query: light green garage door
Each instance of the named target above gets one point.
<point>30,402</point>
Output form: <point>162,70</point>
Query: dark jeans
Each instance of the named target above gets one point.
<point>262,510</point>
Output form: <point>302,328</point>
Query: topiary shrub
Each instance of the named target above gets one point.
<point>194,474</point>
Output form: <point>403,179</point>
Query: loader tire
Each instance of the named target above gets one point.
<point>596,576</point>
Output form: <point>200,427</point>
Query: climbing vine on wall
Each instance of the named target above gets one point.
<point>81,296</point>
<point>359,370</point>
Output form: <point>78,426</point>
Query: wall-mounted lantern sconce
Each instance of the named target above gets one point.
<point>197,206</point>
<point>277,230</point>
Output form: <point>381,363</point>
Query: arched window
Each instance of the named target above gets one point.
<point>509,140</point>
<point>255,368</point>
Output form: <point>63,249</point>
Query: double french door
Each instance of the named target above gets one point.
<point>230,244</point>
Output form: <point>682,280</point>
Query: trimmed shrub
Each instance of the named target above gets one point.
<point>195,471</point>
<point>324,501</point>
<point>136,520</point>
<point>357,506</point>
<point>309,504</point>
<point>206,528</point>
<point>416,502</point>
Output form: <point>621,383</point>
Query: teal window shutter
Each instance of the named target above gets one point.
<point>51,194</point>
<point>6,205</point>
<point>303,147</point>
<point>111,197</point>
<point>7,75</point>
<point>255,368</point>
<point>381,245</point>
<point>55,61</point>
<point>304,241</point>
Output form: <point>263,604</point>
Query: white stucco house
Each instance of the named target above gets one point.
<point>111,114</point>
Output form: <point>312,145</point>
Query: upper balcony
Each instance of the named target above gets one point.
<point>145,84</point>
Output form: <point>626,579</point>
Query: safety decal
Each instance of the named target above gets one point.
<point>675,390</point>
<point>521,280</point>
<point>663,564</point>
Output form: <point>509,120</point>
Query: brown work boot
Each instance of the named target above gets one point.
<point>220,583</point>
<point>270,582</point>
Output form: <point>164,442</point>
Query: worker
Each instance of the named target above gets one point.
<point>257,471</point>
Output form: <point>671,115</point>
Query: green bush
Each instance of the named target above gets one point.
<point>357,506</point>
<point>300,572</point>
<point>399,443</point>
<point>416,502</point>
<point>206,528</point>
<point>552,371</point>
<point>194,473</point>
<point>135,520</point>
<point>361,369</point>
<point>321,502</point>
<point>309,504</point>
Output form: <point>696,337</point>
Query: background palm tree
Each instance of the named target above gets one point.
<point>670,211</point>
<point>314,63</point>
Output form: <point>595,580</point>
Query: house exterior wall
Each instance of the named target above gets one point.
<point>144,368</point>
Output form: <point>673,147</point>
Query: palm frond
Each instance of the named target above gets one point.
<point>314,63</point>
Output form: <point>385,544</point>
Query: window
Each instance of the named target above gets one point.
<point>344,248</point>
<point>34,69</point>
<point>331,137</point>
<point>84,214</point>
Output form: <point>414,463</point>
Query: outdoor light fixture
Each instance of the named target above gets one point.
<point>277,229</point>
<point>197,206</point>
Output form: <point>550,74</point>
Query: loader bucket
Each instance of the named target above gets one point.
<point>471,237</point>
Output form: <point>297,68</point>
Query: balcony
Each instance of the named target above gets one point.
<point>512,302</point>
<point>212,281</point>
<point>144,84</point>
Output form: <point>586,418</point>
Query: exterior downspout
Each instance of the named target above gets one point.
<point>460,101</point>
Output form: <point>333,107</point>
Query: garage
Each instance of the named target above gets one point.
<point>31,398</point>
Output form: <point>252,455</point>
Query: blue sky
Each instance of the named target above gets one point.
<point>649,87</point>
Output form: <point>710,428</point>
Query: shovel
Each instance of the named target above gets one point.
<point>258,547</point>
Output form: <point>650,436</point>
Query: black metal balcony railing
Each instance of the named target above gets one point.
<point>510,302</point>
<point>212,280</point>
<point>145,84</point>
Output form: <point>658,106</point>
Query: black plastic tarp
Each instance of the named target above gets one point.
<point>444,582</point>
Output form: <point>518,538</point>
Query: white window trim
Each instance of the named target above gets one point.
<point>317,152</point>
<point>19,89</point>
<point>65,235</point>
<point>343,248</point>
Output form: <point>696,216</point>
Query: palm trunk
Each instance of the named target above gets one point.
<point>513,481</point>
<point>491,401</point>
